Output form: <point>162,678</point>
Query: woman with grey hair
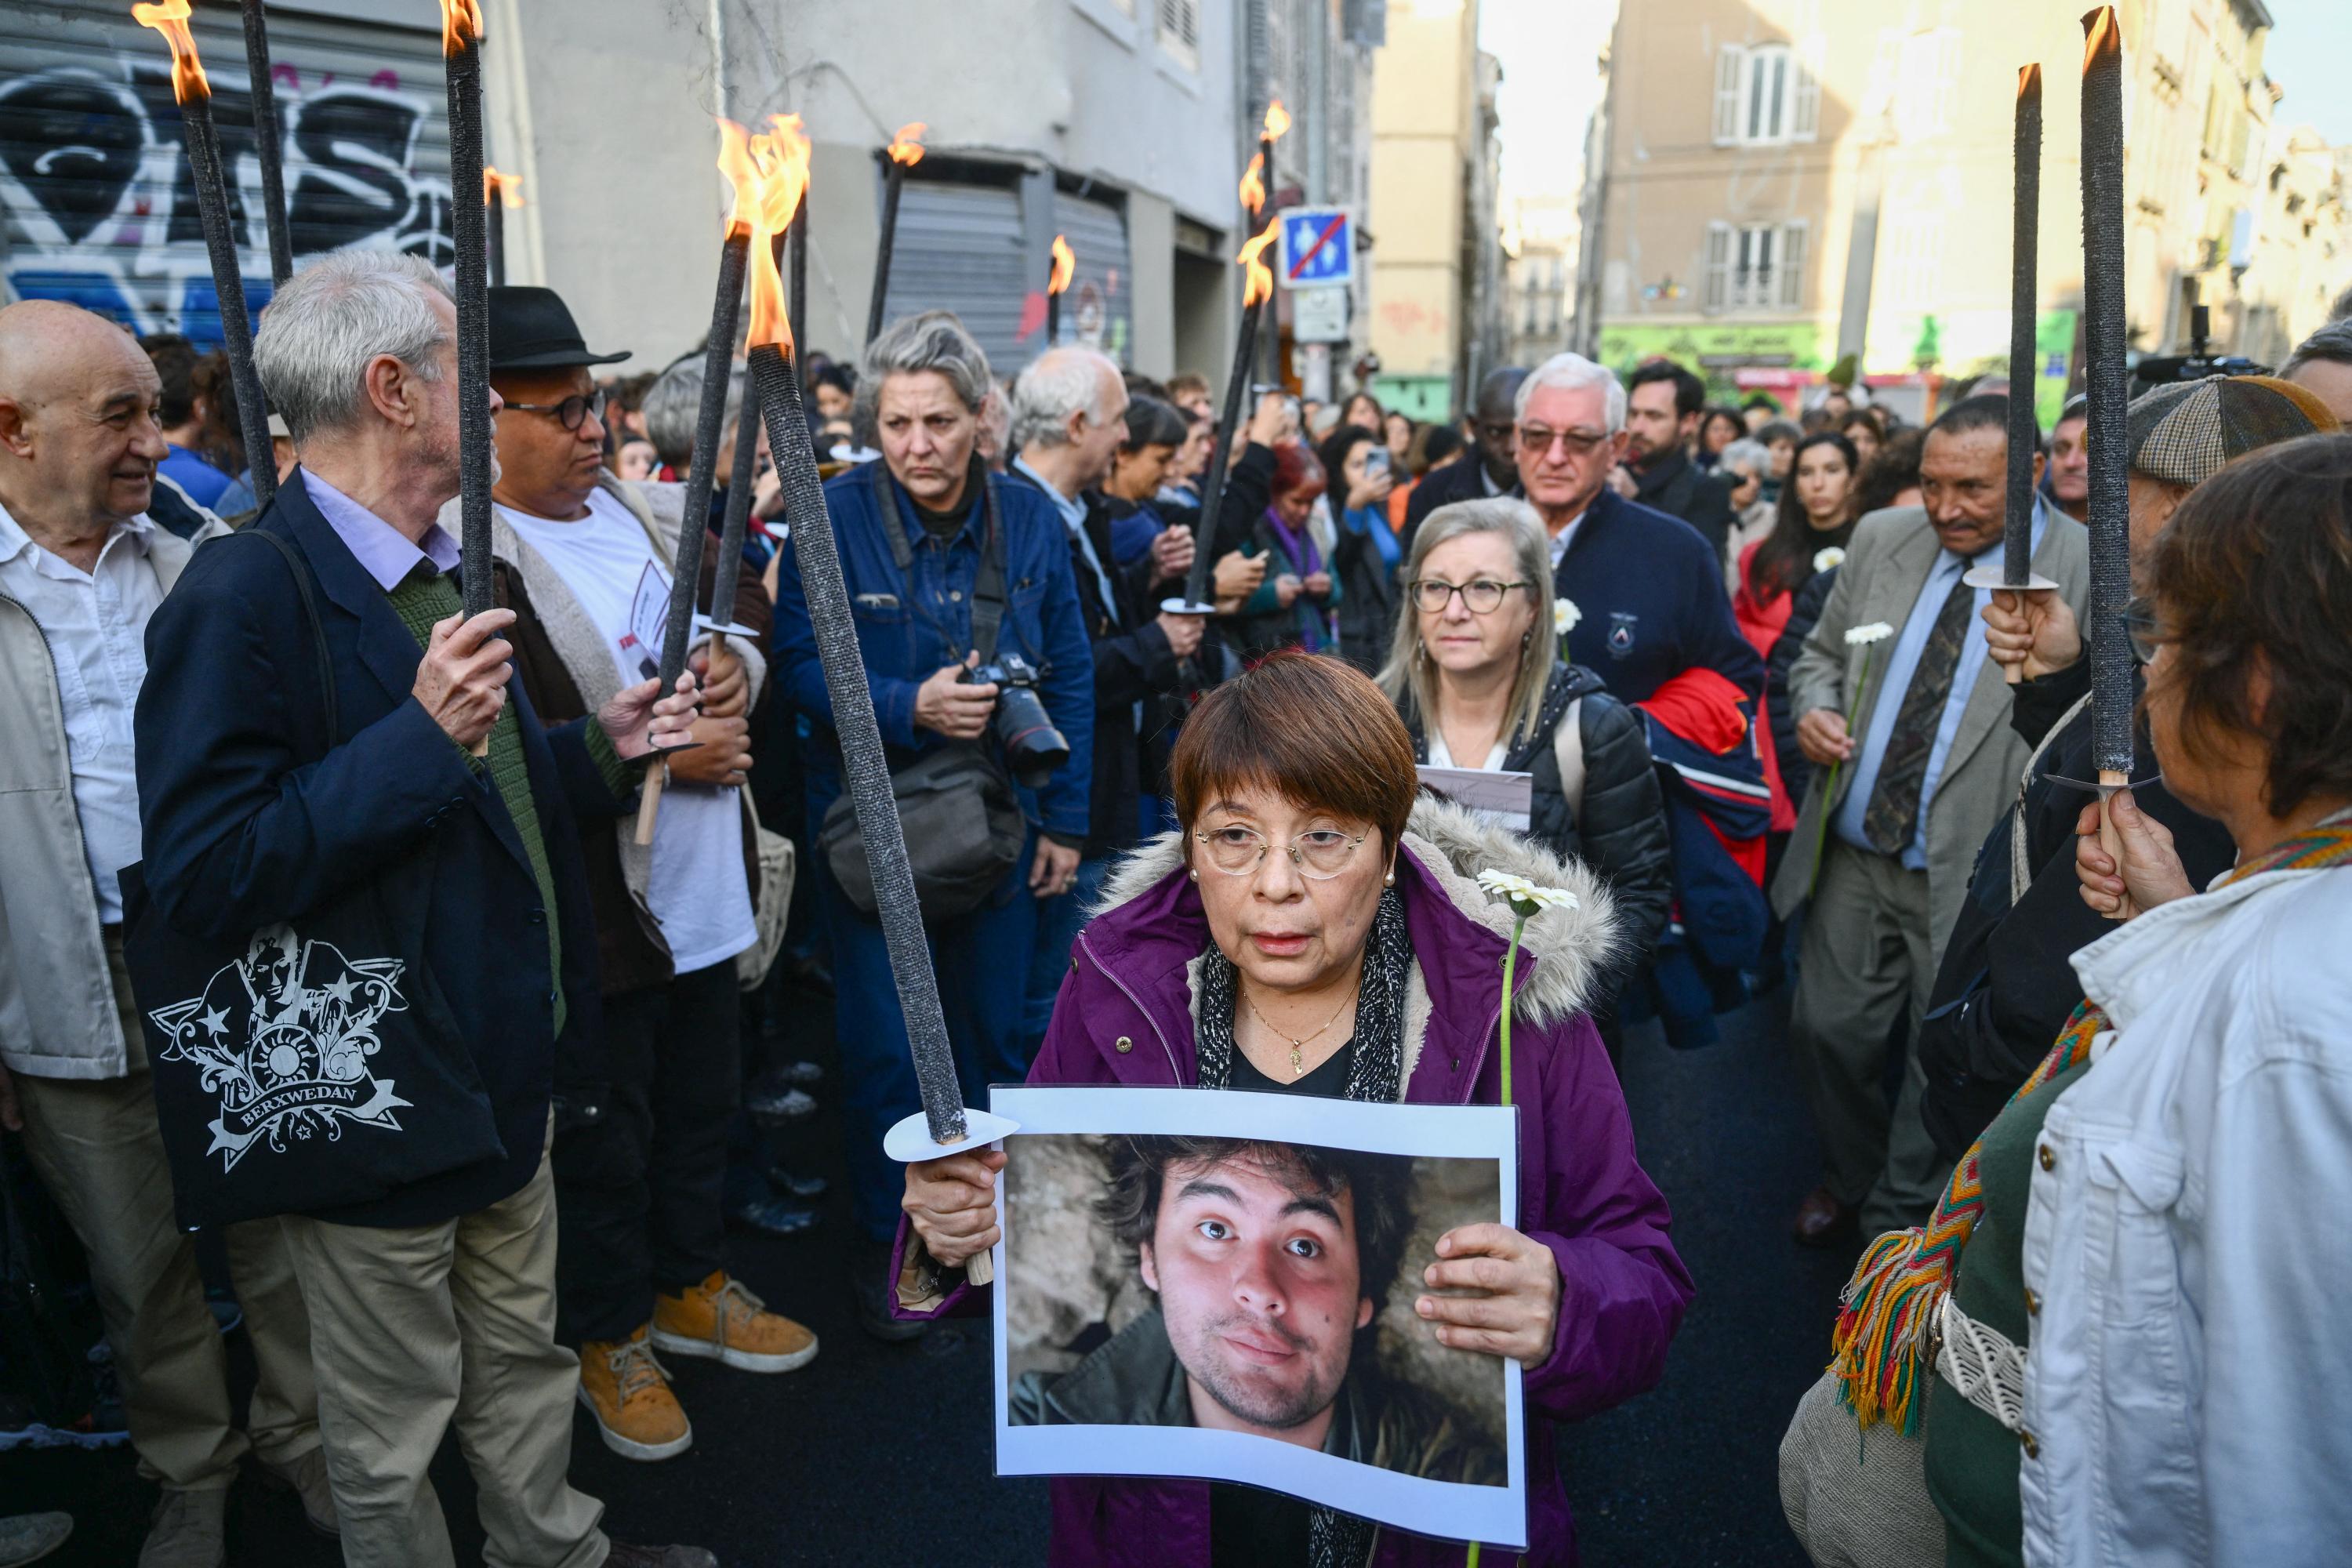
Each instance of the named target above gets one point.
<point>1476,673</point>
<point>933,548</point>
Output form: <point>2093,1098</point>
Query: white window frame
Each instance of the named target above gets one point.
<point>1767,95</point>
<point>1754,268</point>
<point>1176,25</point>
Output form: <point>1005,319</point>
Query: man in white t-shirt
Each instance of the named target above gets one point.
<point>641,1130</point>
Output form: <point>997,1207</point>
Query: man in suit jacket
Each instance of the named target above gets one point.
<point>438,1299</point>
<point>1932,763</point>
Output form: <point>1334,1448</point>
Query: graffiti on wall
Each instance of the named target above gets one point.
<point>100,208</point>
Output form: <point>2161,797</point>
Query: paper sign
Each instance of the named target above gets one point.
<point>1507,800</point>
<point>641,645</point>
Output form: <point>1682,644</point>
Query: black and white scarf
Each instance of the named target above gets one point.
<point>1376,1073</point>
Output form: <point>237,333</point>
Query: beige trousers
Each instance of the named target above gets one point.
<point>414,1325</point>
<point>1866,960</point>
<point>95,1144</point>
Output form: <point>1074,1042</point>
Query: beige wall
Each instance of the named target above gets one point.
<point>1422,120</point>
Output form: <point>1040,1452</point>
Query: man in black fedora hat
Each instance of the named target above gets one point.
<point>584,559</point>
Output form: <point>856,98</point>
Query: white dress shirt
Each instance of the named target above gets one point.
<point>96,625</point>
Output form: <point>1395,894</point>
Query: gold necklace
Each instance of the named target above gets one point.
<point>1297,1062</point>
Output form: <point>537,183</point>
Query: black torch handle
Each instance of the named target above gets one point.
<point>2024,302</point>
<point>473,284</point>
<point>739,512</point>
<point>710,419</point>
<point>1212,486</point>
<point>494,215</point>
<point>796,280</point>
<point>863,767</point>
<point>1052,316</point>
<point>880,294</point>
<point>1273,207</point>
<point>2108,394</point>
<point>268,145</point>
<point>228,284</point>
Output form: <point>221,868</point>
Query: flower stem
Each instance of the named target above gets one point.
<point>1511,967</point>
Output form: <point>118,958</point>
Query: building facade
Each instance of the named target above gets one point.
<point>1119,123</point>
<point>1845,188</point>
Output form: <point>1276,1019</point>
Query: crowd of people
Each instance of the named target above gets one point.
<point>1774,738</point>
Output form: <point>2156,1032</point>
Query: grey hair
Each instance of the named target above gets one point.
<point>673,403</point>
<point>1755,454</point>
<point>1058,384</point>
<point>1574,372</point>
<point>1410,679</point>
<point>333,319</point>
<point>2332,343</point>
<point>934,341</point>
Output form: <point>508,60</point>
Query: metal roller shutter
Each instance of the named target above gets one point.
<point>960,247</point>
<point>94,187</point>
<point>1097,310</point>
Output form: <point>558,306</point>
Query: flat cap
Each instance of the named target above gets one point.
<point>2186,434</point>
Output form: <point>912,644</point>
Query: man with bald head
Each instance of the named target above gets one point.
<point>82,568</point>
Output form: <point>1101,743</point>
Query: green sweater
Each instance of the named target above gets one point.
<point>1971,1458</point>
<point>424,600</point>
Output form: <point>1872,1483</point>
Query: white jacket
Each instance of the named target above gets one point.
<point>2188,1260</point>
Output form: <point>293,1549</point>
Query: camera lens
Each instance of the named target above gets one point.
<point>1033,747</point>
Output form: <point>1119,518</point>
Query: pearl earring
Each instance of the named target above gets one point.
<point>1194,875</point>
<point>1388,881</point>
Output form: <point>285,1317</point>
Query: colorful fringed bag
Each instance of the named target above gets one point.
<point>1890,1301</point>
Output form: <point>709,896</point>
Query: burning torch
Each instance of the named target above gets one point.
<point>461,52</point>
<point>1057,280</point>
<point>170,18</point>
<point>1256,291</point>
<point>499,192</point>
<point>736,162</point>
<point>906,150</point>
<point>943,1126</point>
<point>1276,125</point>
<point>2016,574</point>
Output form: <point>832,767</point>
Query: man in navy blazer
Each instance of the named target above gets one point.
<point>438,1300</point>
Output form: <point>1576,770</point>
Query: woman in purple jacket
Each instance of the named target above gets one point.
<point>1314,929</point>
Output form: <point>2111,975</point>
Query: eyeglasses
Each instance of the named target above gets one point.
<point>572,413</point>
<point>1432,595</point>
<point>2139,627</point>
<point>1322,853</point>
<point>1536,440</point>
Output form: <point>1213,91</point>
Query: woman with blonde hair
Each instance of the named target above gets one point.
<point>1476,672</point>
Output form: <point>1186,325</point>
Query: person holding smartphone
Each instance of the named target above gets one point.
<point>1365,551</point>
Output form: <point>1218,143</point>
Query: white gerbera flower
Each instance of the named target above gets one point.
<point>1863,637</point>
<point>1525,898</point>
<point>1564,616</point>
<point>1828,556</point>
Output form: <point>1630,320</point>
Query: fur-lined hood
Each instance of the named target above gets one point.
<point>1573,949</point>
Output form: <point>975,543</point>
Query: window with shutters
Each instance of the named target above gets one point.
<point>1928,83</point>
<point>1766,94</point>
<point>1179,31</point>
<point>1754,267</point>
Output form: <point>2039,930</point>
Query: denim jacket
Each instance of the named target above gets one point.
<point>910,625</point>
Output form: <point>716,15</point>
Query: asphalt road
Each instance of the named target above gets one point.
<point>881,1453</point>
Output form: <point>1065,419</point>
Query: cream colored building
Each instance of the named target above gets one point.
<point>1434,265</point>
<point>1844,185</point>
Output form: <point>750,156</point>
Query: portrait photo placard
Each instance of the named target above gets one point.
<point>1219,1285</point>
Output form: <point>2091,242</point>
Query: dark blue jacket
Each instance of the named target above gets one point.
<point>911,625</point>
<point>242,832</point>
<point>1653,602</point>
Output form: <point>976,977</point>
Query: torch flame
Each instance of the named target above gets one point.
<point>907,147</point>
<point>2103,35</point>
<point>497,188</point>
<point>1252,187</point>
<point>2029,81</point>
<point>1277,119</point>
<point>461,25</point>
<point>170,18</point>
<point>742,174</point>
<point>1261,276</point>
<point>779,177</point>
<point>1065,264</point>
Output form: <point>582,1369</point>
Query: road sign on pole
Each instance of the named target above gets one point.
<point>1319,246</point>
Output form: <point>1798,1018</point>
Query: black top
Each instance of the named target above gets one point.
<point>1328,1079</point>
<point>1249,1527</point>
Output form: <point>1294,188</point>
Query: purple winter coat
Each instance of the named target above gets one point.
<point>1125,1016</point>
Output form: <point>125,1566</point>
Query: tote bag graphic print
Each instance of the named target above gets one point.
<point>283,1037</point>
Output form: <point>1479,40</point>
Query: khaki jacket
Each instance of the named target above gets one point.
<point>1887,566</point>
<point>58,1014</point>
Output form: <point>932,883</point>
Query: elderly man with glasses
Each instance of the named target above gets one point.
<point>640,1156</point>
